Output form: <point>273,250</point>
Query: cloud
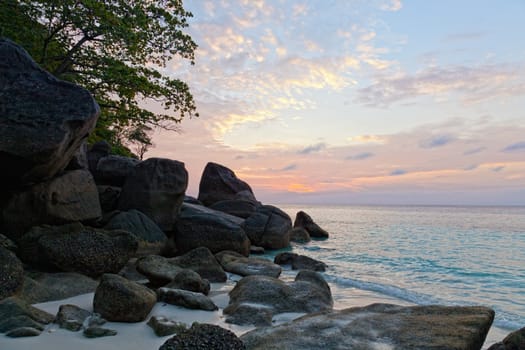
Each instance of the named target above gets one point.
<point>471,167</point>
<point>471,84</point>
<point>498,168</point>
<point>436,141</point>
<point>515,147</point>
<point>474,151</point>
<point>398,172</point>
<point>313,148</point>
<point>367,139</point>
<point>360,156</point>
<point>392,5</point>
<point>286,168</point>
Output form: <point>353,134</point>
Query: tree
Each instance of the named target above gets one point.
<point>139,139</point>
<point>117,49</point>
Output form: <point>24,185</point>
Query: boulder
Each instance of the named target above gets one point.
<point>299,262</point>
<point>219,183</point>
<point>240,265</point>
<point>163,326</point>
<point>8,244</point>
<point>43,121</point>
<point>108,197</point>
<point>236,207</point>
<point>10,323</point>
<point>306,294</point>
<point>158,269</point>
<point>190,280</point>
<point>44,287</point>
<point>11,273</point>
<point>255,250</point>
<point>69,197</point>
<point>112,170</point>
<point>120,300</point>
<point>268,227</point>
<point>305,221</point>
<point>513,341</point>
<point>379,326</point>
<point>23,332</point>
<point>250,315</point>
<point>299,235</point>
<point>97,151</point>
<point>71,317</point>
<point>186,299</point>
<point>198,226</point>
<point>98,332</point>
<point>202,261</point>
<point>156,187</point>
<point>204,336</point>
<point>150,237</point>
<point>78,248</point>
<point>17,313</point>
<point>79,159</point>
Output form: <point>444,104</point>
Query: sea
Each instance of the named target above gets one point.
<point>449,255</point>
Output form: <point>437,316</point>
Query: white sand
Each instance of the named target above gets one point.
<point>139,336</point>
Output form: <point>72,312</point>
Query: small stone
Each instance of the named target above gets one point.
<point>163,326</point>
<point>23,332</point>
<point>97,332</point>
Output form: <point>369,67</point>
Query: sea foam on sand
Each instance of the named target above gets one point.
<point>139,336</point>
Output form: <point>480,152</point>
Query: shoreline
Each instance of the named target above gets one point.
<point>139,336</point>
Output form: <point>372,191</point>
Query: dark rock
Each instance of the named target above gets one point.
<point>198,226</point>
<point>247,314</point>
<point>69,197</point>
<point>163,326</point>
<point>219,183</point>
<point>256,250</point>
<point>299,262</point>
<point>79,159</point>
<point>158,269</point>
<point>237,207</point>
<point>71,317</point>
<point>120,300</point>
<point>76,248</point>
<point>268,227</point>
<point>238,264</point>
<point>108,197</point>
<point>8,244</point>
<point>513,341</point>
<point>44,287</point>
<point>185,298</point>
<point>10,323</point>
<point>13,307</point>
<point>11,273</point>
<point>299,235</point>
<point>112,170</point>
<point>98,332</point>
<point>379,326</point>
<point>270,295</point>
<point>204,337</point>
<point>44,120</point>
<point>202,261</point>
<point>97,151</point>
<point>192,200</point>
<point>23,332</point>
<point>151,238</point>
<point>156,187</point>
<point>190,280</point>
<point>305,221</point>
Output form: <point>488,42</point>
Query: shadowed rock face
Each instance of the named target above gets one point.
<point>43,120</point>
<point>513,341</point>
<point>11,273</point>
<point>380,326</point>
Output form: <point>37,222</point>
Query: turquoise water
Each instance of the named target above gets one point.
<point>426,255</point>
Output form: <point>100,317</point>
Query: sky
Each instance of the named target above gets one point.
<point>357,101</point>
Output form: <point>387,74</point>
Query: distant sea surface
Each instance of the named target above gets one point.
<point>426,255</point>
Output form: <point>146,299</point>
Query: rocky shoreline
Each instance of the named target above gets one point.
<point>78,220</point>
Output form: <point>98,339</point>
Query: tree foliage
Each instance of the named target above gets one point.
<point>118,50</point>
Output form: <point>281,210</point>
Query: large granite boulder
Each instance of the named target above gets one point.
<point>42,287</point>
<point>204,337</point>
<point>379,326</point>
<point>112,170</point>
<point>43,120</point>
<point>186,299</point>
<point>202,261</point>
<point>240,265</point>
<point>19,315</point>
<point>120,300</point>
<point>198,226</point>
<point>108,197</point>
<point>299,262</point>
<point>308,293</point>
<point>299,235</point>
<point>11,273</point>
<point>70,197</point>
<point>151,238</point>
<point>305,221</point>
<point>78,248</point>
<point>158,269</point>
<point>97,151</point>
<point>156,187</point>
<point>242,208</point>
<point>269,227</point>
<point>190,280</point>
<point>219,183</point>
<point>513,341</point>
